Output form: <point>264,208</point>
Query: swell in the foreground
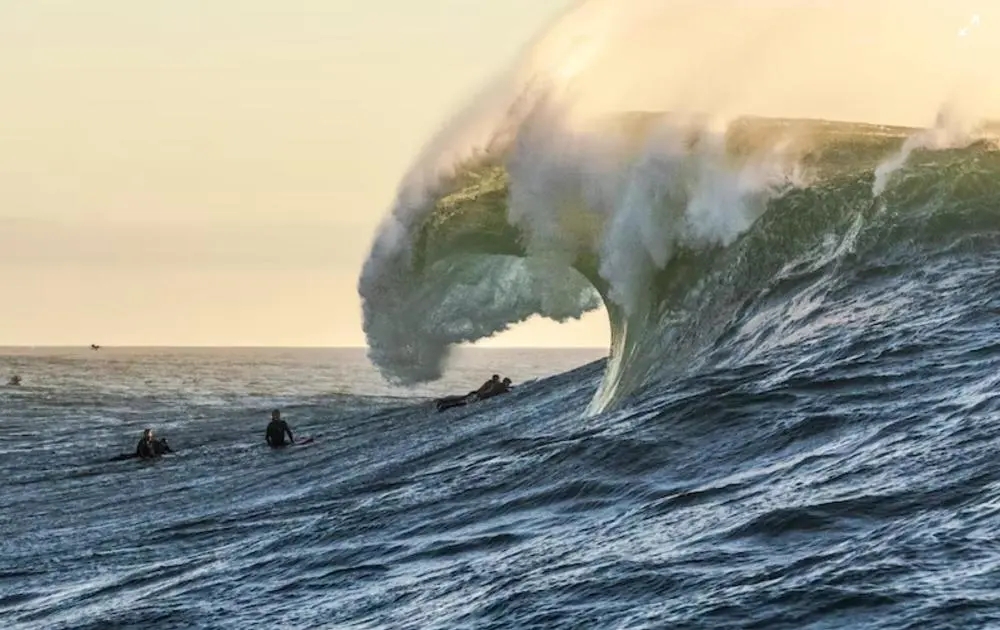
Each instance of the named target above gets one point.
<point>831,465</point>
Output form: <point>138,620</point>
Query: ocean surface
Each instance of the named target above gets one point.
<point>224,533</point>
<point>797,422</point>
<point>847,478</point>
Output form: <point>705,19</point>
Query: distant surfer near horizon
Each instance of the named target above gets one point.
<point>14,381</point>
<point>489,389</point>
<point>276,430</point>
<point>94,346</point>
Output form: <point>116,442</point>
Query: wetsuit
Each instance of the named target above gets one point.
<point>488,389</point>
<point>275,434</point>
<point>494,389</point>
<point>145,449</point>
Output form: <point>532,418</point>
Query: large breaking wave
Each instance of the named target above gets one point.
<point>543,199</point>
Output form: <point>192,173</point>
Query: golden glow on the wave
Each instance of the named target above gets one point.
<point>887,61</point>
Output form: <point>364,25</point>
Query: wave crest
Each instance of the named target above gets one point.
<point>673,222</point>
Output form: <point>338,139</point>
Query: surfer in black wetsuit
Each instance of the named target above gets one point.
<point>149,447</point>
<point>145,448</point>
<point>463,399</point>
<point>160,447</point>
<point>489,389</point>
<point>496,388</point>
<point>276,430</point>
<point>504,387</point>
<point>486,389</point>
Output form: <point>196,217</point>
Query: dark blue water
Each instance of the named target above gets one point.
<point>840,472</point>
<point>225,532</point>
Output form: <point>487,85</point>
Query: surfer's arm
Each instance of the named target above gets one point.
<point>288,430</point>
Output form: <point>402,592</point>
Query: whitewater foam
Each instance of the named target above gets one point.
<point>533,198</point>
<point>950,131</point>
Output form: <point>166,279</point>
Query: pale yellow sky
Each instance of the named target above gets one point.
<point>211,172</point>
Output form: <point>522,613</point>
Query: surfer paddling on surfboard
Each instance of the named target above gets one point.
<point>489,389</point>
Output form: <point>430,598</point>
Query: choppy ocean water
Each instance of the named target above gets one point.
<point>852,484</point>
<point>225,532</point>
<point>796,424</point>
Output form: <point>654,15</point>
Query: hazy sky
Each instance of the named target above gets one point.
<point>211,172</point>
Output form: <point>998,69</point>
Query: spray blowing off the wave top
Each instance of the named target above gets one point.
<point>647,156</point>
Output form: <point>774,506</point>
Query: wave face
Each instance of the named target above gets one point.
<point>538,202</point>
<point>674,228</point>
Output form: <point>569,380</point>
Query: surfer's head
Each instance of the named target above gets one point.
<point>506,381</point>
<point>147,434</point>
<point>276,414</point>
<point>496,377</point>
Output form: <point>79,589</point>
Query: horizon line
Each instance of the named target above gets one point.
<point>266,347</point>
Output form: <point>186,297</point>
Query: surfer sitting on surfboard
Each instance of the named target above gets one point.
<point>149,447</point>
<point>276,430</point>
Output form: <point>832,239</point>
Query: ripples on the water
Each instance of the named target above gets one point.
<point>846,478</point>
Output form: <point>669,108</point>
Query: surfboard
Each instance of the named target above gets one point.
<point>127,456</point>
<point>453,401</point>
<point>306,441</point>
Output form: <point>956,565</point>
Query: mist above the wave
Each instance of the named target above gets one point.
<point>618,204</point>
<point>885,61</point>
<point>892,62</point>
